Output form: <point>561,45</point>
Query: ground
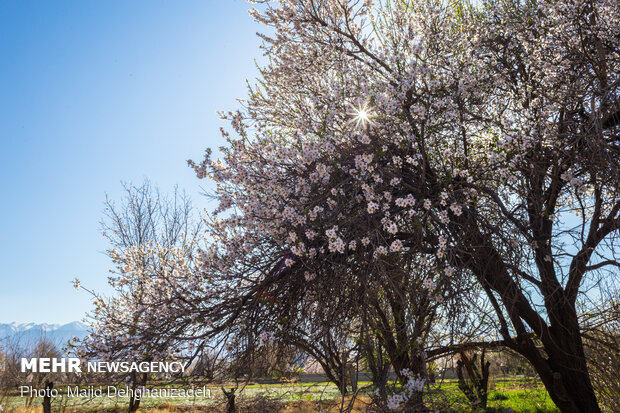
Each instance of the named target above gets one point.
<point>522,395</point>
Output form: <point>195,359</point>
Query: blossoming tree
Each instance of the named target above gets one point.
<point>152,238</point>
<point>432,141</point>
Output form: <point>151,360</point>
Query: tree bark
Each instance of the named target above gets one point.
<point>475,388</point>
<point>134,402</point>
<point>47,399</point>
<point>230,399</point>
<point>415,403</point>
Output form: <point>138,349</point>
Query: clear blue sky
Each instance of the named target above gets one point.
<point>92,93</point>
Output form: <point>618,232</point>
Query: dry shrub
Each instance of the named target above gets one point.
<point>260,404</point>
<point>602,344</point>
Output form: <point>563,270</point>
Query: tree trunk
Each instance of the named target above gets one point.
<point>415,403</point>
<point>562,364</point>
<point>475,389</point>
<point>134,402</point>
<point>564,369</point>
<point>565,372</point>
<point>47,398</point>
<point>230,399</point>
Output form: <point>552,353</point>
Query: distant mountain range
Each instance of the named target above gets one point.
<point>29,334</point>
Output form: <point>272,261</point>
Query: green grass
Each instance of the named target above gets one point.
<point>520,395</point>
<point>523,401</point>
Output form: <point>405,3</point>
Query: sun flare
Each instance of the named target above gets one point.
<point>362,114</point>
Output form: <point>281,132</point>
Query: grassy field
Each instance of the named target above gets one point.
<point>520,395</point>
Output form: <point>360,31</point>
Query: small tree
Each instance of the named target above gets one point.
<point>150,236</point>
<point>11,375</point>
<point>473,377</point>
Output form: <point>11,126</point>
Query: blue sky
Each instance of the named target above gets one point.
<point>92,93</point>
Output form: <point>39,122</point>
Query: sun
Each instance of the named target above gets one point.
<point>362,114</point>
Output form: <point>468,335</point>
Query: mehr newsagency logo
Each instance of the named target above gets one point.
<point>75,365</point>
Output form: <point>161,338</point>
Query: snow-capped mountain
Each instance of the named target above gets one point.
<point>28,334</point>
